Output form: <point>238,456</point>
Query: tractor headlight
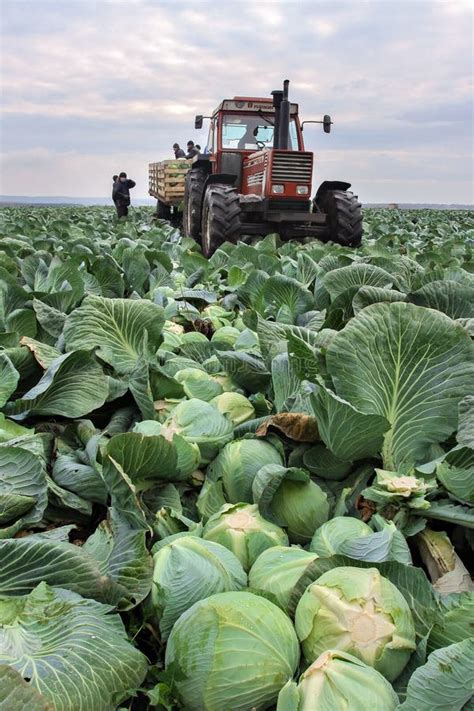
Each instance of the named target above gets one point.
<point>302,189</point>
<point>278,189</point>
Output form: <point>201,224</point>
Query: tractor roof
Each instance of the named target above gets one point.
<point>250,104</point>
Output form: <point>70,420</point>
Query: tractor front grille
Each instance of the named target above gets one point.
<point>287,204</point>
<point>293,167</point>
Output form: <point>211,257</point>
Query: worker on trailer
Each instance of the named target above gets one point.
<point>178,152</point>
<point>192,150</point>
<point>121,194</point>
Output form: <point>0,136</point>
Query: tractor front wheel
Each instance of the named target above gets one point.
<point>344,214</point>
<point>193,187</point>
<point>220,218</point>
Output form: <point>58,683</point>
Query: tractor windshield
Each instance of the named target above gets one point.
<point>251,132</point>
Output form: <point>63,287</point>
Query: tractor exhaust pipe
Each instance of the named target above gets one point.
<point>277,99</point>
<point>284,127</point>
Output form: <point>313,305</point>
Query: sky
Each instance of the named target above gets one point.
<point>92,88</point>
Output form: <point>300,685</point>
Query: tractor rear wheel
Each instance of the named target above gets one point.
<point>344,213</point>
<point>163,211</point>
<point>220,218</point>
<point>193,188</point>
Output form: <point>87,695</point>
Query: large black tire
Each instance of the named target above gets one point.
<point>220,218</point>
<point>193,189</point>
<point>344,213</point>
<point>163,211</point>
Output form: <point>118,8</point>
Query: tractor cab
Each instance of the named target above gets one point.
<point>255,177</point>
<point>247,124</point>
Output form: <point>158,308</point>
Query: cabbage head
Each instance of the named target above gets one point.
<point>188,454</point>
<point>356,610</point>
<point>188,569</point>
<point>278,569</point>
<point>329,538</point>
<point>200,423</point>
<point>337,680</point>
<point>198,384</point>
<point>234,650</point>
<point>289,498</point>
<point>235,406</point>
<point>242,530</point>
<point>237,465</point>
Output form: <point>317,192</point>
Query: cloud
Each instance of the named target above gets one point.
<point>94,84</point>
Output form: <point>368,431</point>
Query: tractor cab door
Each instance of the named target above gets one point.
<point>211,139</point>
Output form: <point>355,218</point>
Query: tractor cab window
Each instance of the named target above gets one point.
<point>251,133</point>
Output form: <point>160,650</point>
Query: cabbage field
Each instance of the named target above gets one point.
<point>238,484</point>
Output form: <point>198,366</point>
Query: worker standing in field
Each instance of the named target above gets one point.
<point>192,150</point>
<point>114,180</point>
<point>178,152</point>
<point>121,194</point>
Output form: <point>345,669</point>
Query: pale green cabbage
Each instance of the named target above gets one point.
<point>358,611</point>
<point>234,650</point>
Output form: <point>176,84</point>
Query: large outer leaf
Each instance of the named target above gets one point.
<point>44,354</point>
<point>148,460</point>
<point>347,432</point>
<point>117,328</point>
<point>123,557</point>
<point>451,297</point>
<point>71,472</point>
<point>9,377</point>
<point>75,653</point>
<point>113,566</point>
<point>456,620</point>
<point>456,480</point>
<point>272,337</point>
<point>30,560</point>
<point>73,386</point>
<point>22,473</point>
<point>16,694</point>
<point>50,319</point>
<point>339,280</point>
<point>286,383</point>
<point>445,682</point>
<point>409,364</point>
<point>465,433</point>
<point>287,297</point>
<point>368,295</point>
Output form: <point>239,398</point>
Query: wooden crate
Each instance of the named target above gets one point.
<point>166,179</point>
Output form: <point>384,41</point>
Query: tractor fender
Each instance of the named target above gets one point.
<point>331,185</point>
<point>224,178</point>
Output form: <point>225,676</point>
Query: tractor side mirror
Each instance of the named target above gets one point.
<point>198,121</point>
<point>327,123</point>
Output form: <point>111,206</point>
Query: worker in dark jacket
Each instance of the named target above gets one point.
<point>114,180</point>
<point>192,150</point>
<point>121,194</point>
<point>178,152</point>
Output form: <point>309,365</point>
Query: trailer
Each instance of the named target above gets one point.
<point>166,180</point>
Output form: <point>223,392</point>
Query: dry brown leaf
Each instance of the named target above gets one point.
<point>295,425</point>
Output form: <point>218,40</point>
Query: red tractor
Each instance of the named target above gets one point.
<point>254,178</point>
